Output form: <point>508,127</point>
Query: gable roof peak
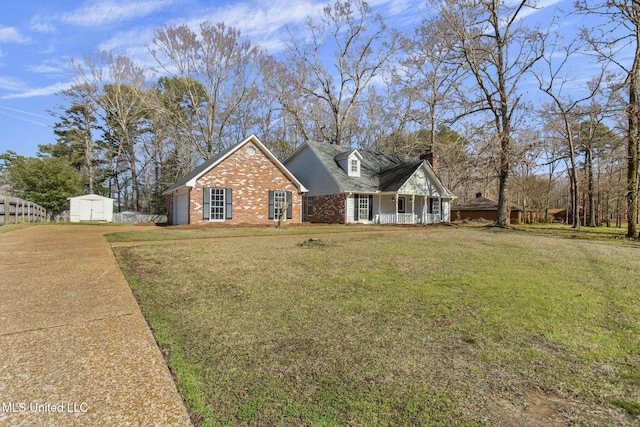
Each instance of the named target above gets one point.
<point>190,179</point>
<point>349,153</point>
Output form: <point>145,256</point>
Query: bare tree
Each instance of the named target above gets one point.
<point>119,94</point>
<point>218,71</point>
<point>432,77</point>
<point>123,102</point>
<point>361,45</point>
<point>494,44</point>
<point>618,36</point>
<point>567,112</point>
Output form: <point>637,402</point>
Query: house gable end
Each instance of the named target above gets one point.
<point>419,183</point>
<point>434,183</point>
<point>242,183</point>
<point>190,179</point>
<point>309,167</point>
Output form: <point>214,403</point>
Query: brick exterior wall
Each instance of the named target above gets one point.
<point>250,177</point>
<point>516,216</point>
<point>327,209</point>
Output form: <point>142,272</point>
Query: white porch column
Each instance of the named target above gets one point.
<point>413,202</point>
<point>379,208</point>
<point>440,208</point>
<point>425,210</point>
<point>396,198</point>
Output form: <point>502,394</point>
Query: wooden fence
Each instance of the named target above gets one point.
<point>14,210</point>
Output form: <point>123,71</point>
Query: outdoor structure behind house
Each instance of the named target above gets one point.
<point>90,208</point>
<point>486,208</point>
<point>348,185</point>
<point>244,184</point>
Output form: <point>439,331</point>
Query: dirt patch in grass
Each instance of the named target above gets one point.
<point>539,409</point>
<point>312,242</point>
<point>438,326</point>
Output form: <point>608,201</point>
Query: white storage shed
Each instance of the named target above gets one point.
<point>90,207</point>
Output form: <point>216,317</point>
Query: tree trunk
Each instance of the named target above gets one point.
<point>575,193</point>
<point>632,143</point>
<point>590,191</point>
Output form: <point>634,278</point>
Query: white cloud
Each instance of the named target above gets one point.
<point>42,24</point>
<point>263,24</point>
<point>43,91</point>
<point>539,6</point>
<point>51,68</point>
<point>11,85</point>
<point>12,35</point>
<point>97,13</point>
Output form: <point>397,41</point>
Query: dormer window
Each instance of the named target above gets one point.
<point>350,162</point>
<point>355,166</point>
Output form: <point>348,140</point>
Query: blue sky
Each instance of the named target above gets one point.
<point>39,37</point>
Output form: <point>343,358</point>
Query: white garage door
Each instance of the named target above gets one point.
<point>181,208</point>
<point>91,210</point>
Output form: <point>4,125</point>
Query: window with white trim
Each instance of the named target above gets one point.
<point>363,207</point>
<point>309,206</point>
<point>354,166</point>
<point>279,199</point>
<point>435,206</point>
<point>217,204</point>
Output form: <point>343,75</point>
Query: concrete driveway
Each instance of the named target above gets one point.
<point>74,347</point>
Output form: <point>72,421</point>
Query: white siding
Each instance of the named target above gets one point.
<point>350,207</point>
<point>446,211</point>
<point>308,169</point>
<point>419,184</point>
<point>90,207</point>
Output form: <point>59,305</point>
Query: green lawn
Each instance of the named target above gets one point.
<point>146,234</point>
<point>11,227</point>
<point>415,326</point>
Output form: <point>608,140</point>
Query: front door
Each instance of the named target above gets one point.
<point>435,210</point>
<point>363,207</point>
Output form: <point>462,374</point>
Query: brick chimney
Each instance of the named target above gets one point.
<point>432,158</point>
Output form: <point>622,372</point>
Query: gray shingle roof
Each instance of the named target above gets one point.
<point>378,171</point>
<point>483,204</point>
<point>197,171</point>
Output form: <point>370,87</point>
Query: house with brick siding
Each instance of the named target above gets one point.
<point>486,208</point>
<point>347,185</point>
<point>244,184</point>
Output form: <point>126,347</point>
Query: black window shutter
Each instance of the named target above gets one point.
<point>370,208</point>
<point>228,209</point>
<point>356,207</point>
<point>271,206</point>
<point>289,199</point>
<point>206,203</point>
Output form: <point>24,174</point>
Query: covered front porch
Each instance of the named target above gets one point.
<point>398,208</point>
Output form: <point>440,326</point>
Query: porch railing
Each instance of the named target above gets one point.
<point>400,218</point>
<point>407,218</point>
<point>431,219</point>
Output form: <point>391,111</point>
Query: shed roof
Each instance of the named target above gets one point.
<point>90,197</point>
